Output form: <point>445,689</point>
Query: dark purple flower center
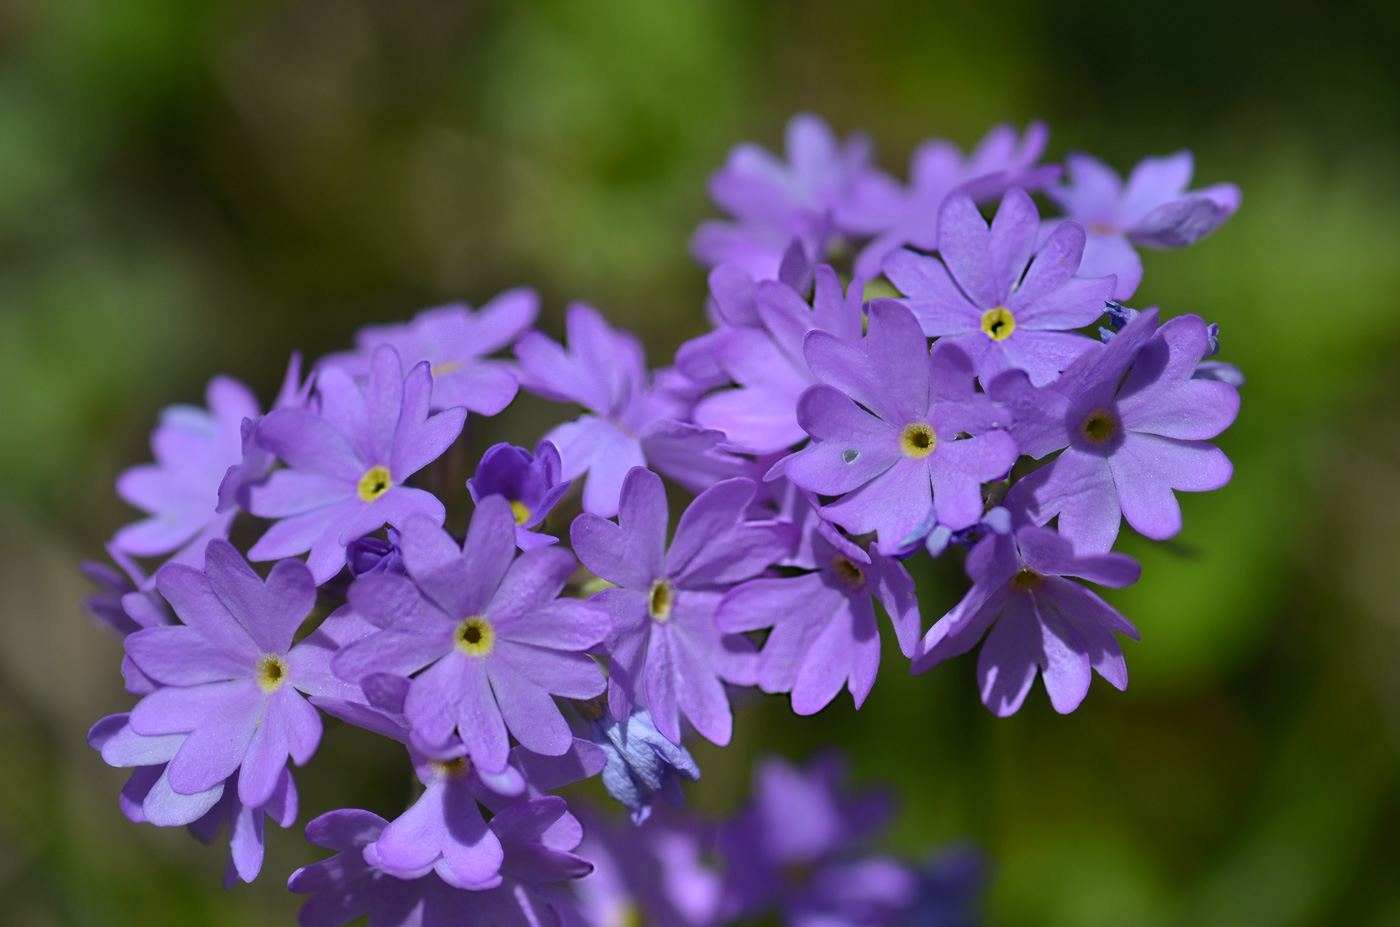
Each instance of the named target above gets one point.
<point>660,601</point>
<point>1026,580</point>
<point>848,573</point>
<point>475,636</point>
<point>998,323</point>
<point>375,483</point>
<point>271,672</point>
<point>1100,427</point>
<point>917,440</point>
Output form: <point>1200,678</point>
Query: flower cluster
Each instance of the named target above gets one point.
<point>821,439</point>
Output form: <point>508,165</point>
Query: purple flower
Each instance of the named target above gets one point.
<point>985,299</point>
<point>950,887</point>
<point>640,761</point>
<point>631,424</point>
<point>921,435</point>
<point>257,462</point>
<point>231,674</point>
<point>346,466</point>
<point>1154,210</point>
<point>1001,160</point>
<point>797,848</point>
<point>126,604</point>
<point>247,825</point>
<point>366,556</point>
<point>824,631</point>
<point>529,482</point>
<point>489,633</point>
<point>1038,620</point>
<point>346,887</point>
<point>760,415</point>
<point>194,449</point>
<point>648,874</point>
<point>149,798</point>
<point>666,652</point>
<point>454,340</point>
<point>1133,424</point>
<point>803,198</point>
<point>444,831</point>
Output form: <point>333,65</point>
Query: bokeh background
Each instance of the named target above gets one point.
<point>194,186</point>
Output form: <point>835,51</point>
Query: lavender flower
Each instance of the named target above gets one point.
<point>346,887</point>
<point>488,632</point>
<point>980,300</point>
<point>194,449</point>
<point>529,482</point>
<point>653,873</point>
<point>444,830</point>
<point>1002,159</point>
<point>1133,424</point>
<point>257,462</point>
<point>1038,620</point>
<point>640,761</point>
<point>631,424</point>
<point>247,826</point>
<point>928,438</point>
<point>454,340</point>
<point>346,466</point>
<point>1154,210</point>
<point>231,674</point>
<point>776,202</point>
<point>797,848</point>
<point>760,416</point>
<point>367,556</point>
<point>824,631</point>
<point>666,652</point>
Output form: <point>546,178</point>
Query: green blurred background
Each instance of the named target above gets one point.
<point>190,187</point>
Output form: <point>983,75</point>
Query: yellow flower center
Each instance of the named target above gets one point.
<point>521,511</point>
<point>663,596</point>
<point>271,672</point>
<point>1099,427</point>
<point>438,370</point>
<point>998,324</point>
<point>474,636</point>
<point>375,483</point>
<point>1026,580</point>
<point>917,440</point>
<point>451,769</point>
<point>848,572</point>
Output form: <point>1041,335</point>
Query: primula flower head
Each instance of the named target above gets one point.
<point>767,363</point>
<point>798,847</point>
<point>898,430</point>
<point>1133,422</point>
<point>230,673</point>
<point>529,482</point>
<point>641,761</point>
<point>194,450</point>
<point>630,425</point>
<point>346,887</point>
<point>454,340</point>
<point>1153,209</point>
<point>347,463</point>
<point>983,297</point>
<point>486,634</point>
<point>805,198</point>
<point>666,652</point>
<point>1004,158</point>
<point>824,631</point>
<point>1035,620</point>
